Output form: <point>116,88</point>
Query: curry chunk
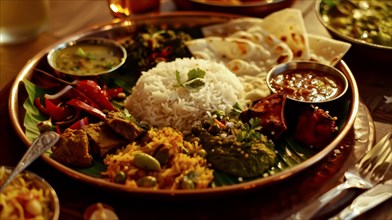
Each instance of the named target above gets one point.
<point>127,127</point>
<point>73,149</point>
<point>103,139</point>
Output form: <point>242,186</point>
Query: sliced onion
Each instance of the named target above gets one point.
<point>71,120</point>
<point>59,94</point>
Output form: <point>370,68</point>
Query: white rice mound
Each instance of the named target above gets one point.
<point>157,100</point>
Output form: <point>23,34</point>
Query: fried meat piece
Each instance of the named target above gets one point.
<point>315,128</point>
<point>103,139</point>
<point>270,110</point>
<point>73,149</point>
<point>123,125</point>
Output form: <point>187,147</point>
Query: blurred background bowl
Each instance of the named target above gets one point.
<point>33,181</point>
<point>361,49</point>
<point>255,8</point>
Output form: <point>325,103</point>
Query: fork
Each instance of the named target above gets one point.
<point>366,173</point>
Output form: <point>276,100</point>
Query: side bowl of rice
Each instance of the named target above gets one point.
<point>28,196</point>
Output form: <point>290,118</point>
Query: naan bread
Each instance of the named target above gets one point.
<point>288,26</point>
<point>237,54</point>
<point>248,60</point>
<point>257,35</point>
<point>326,50</point>
<point>228,28</point>
<point>241,56</point>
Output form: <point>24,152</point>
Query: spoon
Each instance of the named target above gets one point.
<point>44,142</point>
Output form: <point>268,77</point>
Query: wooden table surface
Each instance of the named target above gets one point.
<point>274,202</point>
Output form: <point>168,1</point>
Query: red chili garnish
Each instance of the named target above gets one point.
<point>41,108</point>
<point>92,90</point>
<point>50,109</point>
<point>77,94</point>
<point>79,124</point>
<point>113,93</point>
<point>58,113</point>
<point>88,108</point>
<point>58,129</point>
<point>165,52</point>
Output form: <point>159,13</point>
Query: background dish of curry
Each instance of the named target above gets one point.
<point>191,21</point>
<point>375,45</point>
<point>255,8</point>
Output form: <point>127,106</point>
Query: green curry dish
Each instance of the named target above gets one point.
<point>369,21</point>
<point>234,147</point>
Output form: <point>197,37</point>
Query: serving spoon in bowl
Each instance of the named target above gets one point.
<point>44,142</point>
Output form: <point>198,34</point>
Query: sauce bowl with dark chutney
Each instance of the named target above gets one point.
<point>87,57</point>
<point>308,82</point>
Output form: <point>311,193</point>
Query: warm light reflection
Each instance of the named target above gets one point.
<point>120,9</point>
<point>114,8</point>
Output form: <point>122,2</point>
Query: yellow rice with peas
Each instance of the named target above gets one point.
<point>161,160</point>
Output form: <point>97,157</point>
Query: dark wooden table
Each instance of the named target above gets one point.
<point>272,202</point>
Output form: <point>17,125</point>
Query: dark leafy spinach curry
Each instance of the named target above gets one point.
<point>369,21</point>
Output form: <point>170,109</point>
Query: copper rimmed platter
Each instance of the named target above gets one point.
<point>119,28</point>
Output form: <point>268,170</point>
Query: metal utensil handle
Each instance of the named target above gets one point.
<point>38,147</point>
<point>366,201</point>
<point>313,208</point>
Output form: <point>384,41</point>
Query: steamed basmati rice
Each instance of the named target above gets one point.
<point>158,100</point>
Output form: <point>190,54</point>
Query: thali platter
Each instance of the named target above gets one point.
<point>189,21</point>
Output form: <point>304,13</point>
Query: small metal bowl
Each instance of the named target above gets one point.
<point>364,50</point>
<point>316,68</point>
<point>77,59</point>
<point>38,182</point>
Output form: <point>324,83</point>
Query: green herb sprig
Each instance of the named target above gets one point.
<point>194,80</point>
<point>250,131</point>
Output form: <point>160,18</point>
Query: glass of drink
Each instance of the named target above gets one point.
<point>22,20</point>
<point>126,8</point>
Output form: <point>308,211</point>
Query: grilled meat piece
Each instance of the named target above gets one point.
<point>73,149</point>
<point>315,128</point>
<point>270,111</point>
